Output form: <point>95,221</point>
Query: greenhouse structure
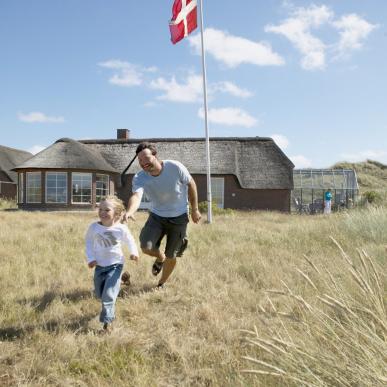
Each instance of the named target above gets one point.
<point>310,186</point>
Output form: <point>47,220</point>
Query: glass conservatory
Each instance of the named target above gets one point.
<point>310,186</point>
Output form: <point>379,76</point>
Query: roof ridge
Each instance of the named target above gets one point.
<point>173,139</point>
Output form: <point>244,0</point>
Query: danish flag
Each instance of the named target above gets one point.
<point>184,19</point>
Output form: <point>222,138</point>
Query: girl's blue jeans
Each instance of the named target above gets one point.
<point>107,282</point>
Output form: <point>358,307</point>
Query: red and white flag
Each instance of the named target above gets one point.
<point>184,19</point>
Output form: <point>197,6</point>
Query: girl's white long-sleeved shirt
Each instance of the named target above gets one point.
<point>104,244</point>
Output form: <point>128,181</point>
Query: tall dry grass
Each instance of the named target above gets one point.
<point>7,204</point>
<point>189,334</point>
<point>343,329</point>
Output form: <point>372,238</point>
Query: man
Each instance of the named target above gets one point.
<point>328,202</point>
<point>169,187</point>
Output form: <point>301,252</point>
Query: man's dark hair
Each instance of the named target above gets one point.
<point>146,145</point>
<point>140,148</point>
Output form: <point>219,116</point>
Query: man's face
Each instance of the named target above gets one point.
<point>147,160</point>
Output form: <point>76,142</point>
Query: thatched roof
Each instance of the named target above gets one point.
<point>68,154</point>
<point>257,162</point>
<point>9,158</point>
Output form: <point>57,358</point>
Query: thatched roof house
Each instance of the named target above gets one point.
<point>67,174</point>
<point>66,153</point>
<point>249,173</point>
<point>9,158</point>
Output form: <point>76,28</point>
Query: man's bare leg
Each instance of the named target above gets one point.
<point>160,259</point>
<point>159,255</point>
<point>168,263</point>
<point>168,267</point>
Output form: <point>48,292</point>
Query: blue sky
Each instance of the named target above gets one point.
<point>312,75</point>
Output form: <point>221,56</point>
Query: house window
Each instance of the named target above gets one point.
<point>217,190</point>
<point>81,187</point>
<point>56,187</point>
<point>21,188</point>
<point>34,187</point>
<point>101,187</point>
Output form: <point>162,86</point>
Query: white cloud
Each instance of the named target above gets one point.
<point>115,64</point>
<point>149,104</point>
<point>229,116</point>
<point>353,31</point>
<point>191,91</point>
<point>376,155</point>
<point>127,74</point>
<point>127,78</point>
<point>280,140</point>
<point>36,149</point>
<point>297,29</point>
<point>234,50</point>
<point>231,88</point>
<point>40,117</point>
<point>300,161</point>
<point>152,69</point>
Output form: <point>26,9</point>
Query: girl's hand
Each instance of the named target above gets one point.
<point>133,258</point>
<point>92,264</point>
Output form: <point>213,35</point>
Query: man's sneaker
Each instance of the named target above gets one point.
<point>157,267</point>
<point>183,247</point>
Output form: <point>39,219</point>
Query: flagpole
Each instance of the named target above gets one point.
<point>209,195</point>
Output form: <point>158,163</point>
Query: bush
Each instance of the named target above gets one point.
<point>372,197</point>
<point>215,209</point>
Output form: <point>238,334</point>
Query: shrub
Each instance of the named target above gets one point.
<point>372,197</point>
<point>215,209</point>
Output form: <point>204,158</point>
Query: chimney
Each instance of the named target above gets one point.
<point>123,134</point>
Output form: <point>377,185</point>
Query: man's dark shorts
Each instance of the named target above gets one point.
<point>156,227</point>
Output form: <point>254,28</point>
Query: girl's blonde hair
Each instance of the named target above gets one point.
<point>118,204</point>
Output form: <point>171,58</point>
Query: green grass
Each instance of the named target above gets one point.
<point>193,333</point>
<point>372,177</point>
<point>370,174</point>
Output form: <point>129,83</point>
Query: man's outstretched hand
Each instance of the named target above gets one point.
<point>126,217</point>
<point>196,215</point>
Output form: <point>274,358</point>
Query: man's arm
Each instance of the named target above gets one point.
<point>193,200</point>
<point>133,204</point>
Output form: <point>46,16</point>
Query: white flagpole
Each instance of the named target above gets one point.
<point>209,195</point>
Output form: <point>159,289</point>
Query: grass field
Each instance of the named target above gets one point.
<point>262,292</point>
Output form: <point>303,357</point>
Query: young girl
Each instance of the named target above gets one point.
<point>104,240</point>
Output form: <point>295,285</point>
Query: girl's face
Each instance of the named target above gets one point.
<point>106,213</point>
